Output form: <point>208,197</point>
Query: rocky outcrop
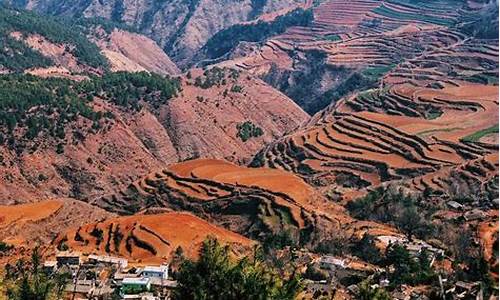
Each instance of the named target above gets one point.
<point>133,52</point>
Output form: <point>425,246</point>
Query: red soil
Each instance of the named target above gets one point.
<point>163,232</point>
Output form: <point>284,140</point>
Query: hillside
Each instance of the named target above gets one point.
<point>133,52</point>
<point>350,143</point>
<point>411,126</point>
<point>113,129</point>
<point>148,239</point>
<point>350,45</point>
<point>268,205</point>
<point>25,225</point>
<point>181,28</point>
<point>49,46</point>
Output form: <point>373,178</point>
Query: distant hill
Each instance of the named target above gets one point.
<point>180,27</point>
<point>47,45</point>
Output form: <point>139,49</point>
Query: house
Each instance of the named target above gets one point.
<point>132,286</point>
<point>384,283</point>
<point>68,258</point>
<point>467,287</point>
<point>354,289</point>
<point>454,205</point>
<point>473,215</point>
<point>109,260</point>
<point>155,272</point>
<point>400,296</point>
<point>331,263</point>
<point>416,247</point>
<point>163,283</point>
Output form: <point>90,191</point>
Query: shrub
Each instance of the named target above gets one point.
<point>4,247</point>
<point>248,130</point>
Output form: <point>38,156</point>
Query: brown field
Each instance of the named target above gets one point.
<point>17,215</point>
<point>405,129</point>
<point>253,202</point>
<point>149,238</point>
<point>38,223</point>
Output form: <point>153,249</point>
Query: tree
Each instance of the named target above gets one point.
<point>216,276</point>
<point>367,250</point>
<point>26,281</point>
<point>408,269</point>
<point>410,221</point>
<point>366,292</point>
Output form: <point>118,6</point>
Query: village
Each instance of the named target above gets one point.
<point>109,277</point>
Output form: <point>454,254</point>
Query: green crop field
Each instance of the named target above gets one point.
<point>390,13</point>
<point>476,136</point>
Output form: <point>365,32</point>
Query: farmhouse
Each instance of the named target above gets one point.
<point>331,263</point>
<point>155,272</point>
<point>108,260</point>
<point>454,205</point>
<point>474,214</point>
<point>67,258</point>
<point>49,266</point>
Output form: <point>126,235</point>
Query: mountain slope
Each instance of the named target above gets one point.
<point>411,126</point>
<point>49,46</point>
<point>103,133</point>
<point>41,222</point>
<point>133,52</point>
<point>350,45</point>
<point>181,27</point>
<point>149,238</point>
<point>263,204</point>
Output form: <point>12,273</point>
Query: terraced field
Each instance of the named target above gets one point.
<point>471,60</point>
<point>257,203</point>
<point>40,222</point>
<point>364,33</point>
<point>149,238</point>
<point>368,39</point>
<point>430,130</point>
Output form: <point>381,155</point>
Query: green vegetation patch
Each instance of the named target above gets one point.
<point>248,130</point>
<point>426,132</point>
<point>30,105</point>
<point>225,40</point>
<point>482,79</point>
<point>376,72</point>
<point>128,89</point>
<point>55,30</point>
<point>216,275</point>
<point>35,105</point>
<point>332,37</point>
<point>476,136</point>
<point>390,13</point>
<point>395,208</point>
<point>4,247</point>
<point>17,56</point>
<point>216,77</point>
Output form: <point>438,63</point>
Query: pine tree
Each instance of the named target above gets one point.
<point>216,276</point>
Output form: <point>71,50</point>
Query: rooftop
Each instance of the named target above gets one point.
<point>68,254</point>
<point>332,260</point>
<point>138,281</point>
<point>109,259</point>
<point>156,269</point>
<point>50,263</point>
